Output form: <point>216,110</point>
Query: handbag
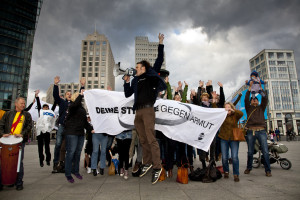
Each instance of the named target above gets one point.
<point>239,132</point>
<point>162,176</point>
<point>182,175</point>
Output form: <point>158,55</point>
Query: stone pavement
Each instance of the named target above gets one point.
<point>39,183</point>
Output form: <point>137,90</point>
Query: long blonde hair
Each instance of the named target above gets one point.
<point>74,96</point>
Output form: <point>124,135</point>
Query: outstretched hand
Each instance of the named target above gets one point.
<point>161,38</point>
<point>56,80</point>
<point>82,82</point>
<point>220,84</point>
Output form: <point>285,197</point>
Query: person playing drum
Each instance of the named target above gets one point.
<point>17,122</point>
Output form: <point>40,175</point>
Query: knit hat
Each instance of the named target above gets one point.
<point>254,73</point>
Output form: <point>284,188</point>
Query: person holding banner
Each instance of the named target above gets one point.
<point>18,123</point>
<point>145,86</point>
<point>256,129</point>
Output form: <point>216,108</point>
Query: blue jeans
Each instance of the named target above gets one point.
<point>234,146</point>
<point>58,143</point>
<point>262,139</point>
<point>99,138</point>
<point>74,144</point>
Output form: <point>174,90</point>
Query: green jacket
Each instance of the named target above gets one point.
<point>183,94</point>
<point>7,121</point>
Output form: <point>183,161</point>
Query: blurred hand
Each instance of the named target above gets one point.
<point>193,92</point>
<point>167,79</point>
<point>220,84</point>
<point>179,85</point>
<point>201,83</point>
<point>161,38</point>
<point>126,78</point>
<point>36,93</point>
<point>109,88</point>
<point>209,83</point>
<point>5,135</point>
<point>56,80</point>
<point>214,95</point>
<point>185,84</point>
<point>93,131</point>
<point>82,82</point>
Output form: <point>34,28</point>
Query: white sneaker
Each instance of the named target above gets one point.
<point>88,170</point>
<point>98,171</point>
<point>126,174</point>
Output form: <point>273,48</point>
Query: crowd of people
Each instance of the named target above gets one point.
<point>154,150</point>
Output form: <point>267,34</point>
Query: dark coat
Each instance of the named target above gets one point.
<point>130,89</point>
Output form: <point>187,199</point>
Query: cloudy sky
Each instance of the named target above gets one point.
<point>204,39</point>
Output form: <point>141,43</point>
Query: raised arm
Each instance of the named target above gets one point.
<point>169,90</point>
<point>209,88</point>
<point>160,56</point>
<point>184,94</point>
<point>264,100</point>
<point>222,95</point>
<point>128,90</point>
<point>238,99</point>
<point>56,90</point>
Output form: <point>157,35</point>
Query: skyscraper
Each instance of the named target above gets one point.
<point>18,20</point>
<point>278,68</point>
<point>97,62</point>
<point>145,50</point>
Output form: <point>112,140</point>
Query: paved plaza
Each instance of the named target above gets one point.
<point>40,183</point>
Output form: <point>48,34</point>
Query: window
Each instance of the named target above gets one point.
<point>97,43</point>
<point>278,115</point>
<point>102,86</point>
<point>91,48</point>
<point>262,57</point>
<point>83,58</point>
<point>96,69</point>
<point>95,82</point>
<point>281,62</point>
<point>97,59</point>
<point>289,55</point>
<point>96,74</point>
<point>290,63</point>
<point>62,87</point>
<point>257,67</point>
<point>89,82</point>
<point>102,63</point>
<point>90,58</point>
<point>91,53</point>
<point>104,43</point>
<point>256,60</point>
<point>96,63</point>
<point>280,55</point>
<point>91,43</point>
<point>271,55</point>
<point>84,48</point>
<point>84,53</point>
<point>83,74</point>
<point>90,69</point>
<point>89,74</point>
<point>90,63</point>
<point>83,69</point>
<point>102,74</point>
<point>95,86</point>
<point>83,63</point>
<point>89,86</point>
<point>252,63</point>
<point>297,114</point>
<point>97,53</point>
<point>85,43</point>
<point>271,62</point>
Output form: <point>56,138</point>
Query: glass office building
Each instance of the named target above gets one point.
<point>18,20</point>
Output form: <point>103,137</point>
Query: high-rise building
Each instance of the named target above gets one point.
<point>18,20</point>
<point>63,88</point>
<point>278,68</point>
<point>97,62</point>
<point>145,50</point>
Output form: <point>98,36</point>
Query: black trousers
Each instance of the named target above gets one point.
<point>123,149</point>
<point>44,139</point>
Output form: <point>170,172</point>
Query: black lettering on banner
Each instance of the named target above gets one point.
<point>163,108</point>
<point>98,110</point>
<point>123,110</point>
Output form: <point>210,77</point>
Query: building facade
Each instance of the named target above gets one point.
<point>145,50</point>
<point>278,68</point>
<point>63,88</point>
<point>97,62</point>
<point>18,20</point>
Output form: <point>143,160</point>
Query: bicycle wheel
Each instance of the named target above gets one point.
<point>256,162</point>
<point>285,164</point>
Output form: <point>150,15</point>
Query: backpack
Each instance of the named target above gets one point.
<point>207,175</point>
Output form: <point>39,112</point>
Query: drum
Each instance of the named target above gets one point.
<point>9,157</point>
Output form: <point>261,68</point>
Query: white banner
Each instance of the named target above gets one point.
<point>112,113</point>
<point>35,113</point>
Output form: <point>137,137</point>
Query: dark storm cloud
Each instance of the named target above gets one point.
<point>63,24</point>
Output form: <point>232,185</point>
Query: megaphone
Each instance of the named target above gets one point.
<point>118,71</point>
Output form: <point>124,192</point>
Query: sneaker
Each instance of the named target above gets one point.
<point>136,167</point>
<point>19,187</point>
<point>88,170</point>
<point>78,176</point>
<point>98,171</point>
<point>101,171</point>
<point>155,175</point>
<point>126,174</point>
<point>268,174</point>
<point>236,178</point>
<point>247,171</point>
<point>226,174</point>
<point>122,172</point>
<point>145,169</point>
<point>95,172</point>
<point>70,179</point>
